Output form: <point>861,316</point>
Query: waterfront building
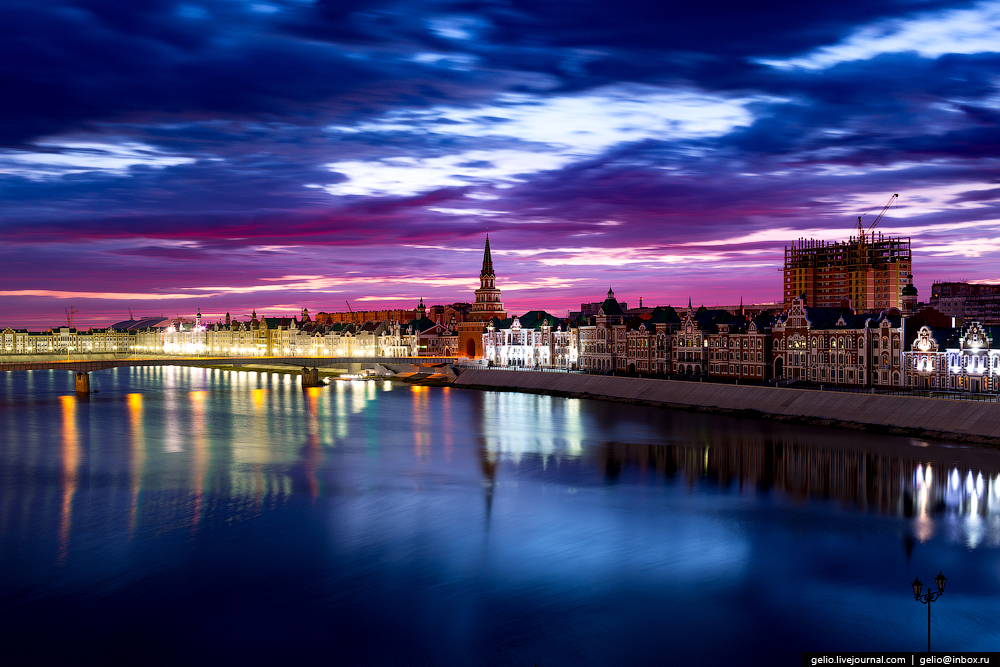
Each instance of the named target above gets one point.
<point>112,341</point>
<point>15,341</point>
<point>186,338</point>
<point>535,340</point>
<point>690,350</point>
<point>867,273</point>
<point>149,340</point>
<point>426,338</point>
<point>839,346</point>
<point>648,341</point>
<point>486,308</point>
<point>740,348</point>
<point>603,340</point>
<point>954,359</point>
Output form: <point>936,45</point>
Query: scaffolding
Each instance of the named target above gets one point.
<point>865,273</point>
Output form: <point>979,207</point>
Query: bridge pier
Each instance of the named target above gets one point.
<point>83,383</point>
<point>310,378</point>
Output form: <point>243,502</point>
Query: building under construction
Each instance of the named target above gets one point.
<point>869,270</point>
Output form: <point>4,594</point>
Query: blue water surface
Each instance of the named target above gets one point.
<point>197,516</point>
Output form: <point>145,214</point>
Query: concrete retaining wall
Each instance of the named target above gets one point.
<point>971,418</point>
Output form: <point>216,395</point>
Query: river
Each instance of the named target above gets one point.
<point>188,516</point>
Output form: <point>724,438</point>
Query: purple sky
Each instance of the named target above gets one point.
<point>229,155</point>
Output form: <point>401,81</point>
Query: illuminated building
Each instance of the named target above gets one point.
<point>535,339</point>
<point>954,359</point>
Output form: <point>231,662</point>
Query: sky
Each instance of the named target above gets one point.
<point>229,155</point>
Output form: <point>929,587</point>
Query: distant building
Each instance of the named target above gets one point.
<point>867,274</point>
<point>967,301</point>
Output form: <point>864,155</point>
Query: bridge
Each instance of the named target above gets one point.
<point>82,367</point>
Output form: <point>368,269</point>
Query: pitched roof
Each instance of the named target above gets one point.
<point>664,315</point>
<point>536,319</point>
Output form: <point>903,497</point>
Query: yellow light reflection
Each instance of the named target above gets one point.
<point>257,396</point>
<point>138,446</point>
<point>313,450</point>
<point>199,459</point>
<point>70,464</point>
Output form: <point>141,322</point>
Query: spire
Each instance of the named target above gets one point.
<point>611,292</point>
<point>487,260</point>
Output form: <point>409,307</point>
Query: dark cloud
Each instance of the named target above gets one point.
<point>198,144</point>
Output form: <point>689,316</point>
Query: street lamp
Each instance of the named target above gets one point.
<point>927,598</point>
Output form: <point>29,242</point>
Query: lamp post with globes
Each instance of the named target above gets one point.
<point>927,598</point>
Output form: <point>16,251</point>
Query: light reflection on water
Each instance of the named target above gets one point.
<point>472,527</point>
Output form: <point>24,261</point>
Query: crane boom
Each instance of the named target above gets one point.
<point>349,306</point>
<point>862,232</point>
<point>892,200</point>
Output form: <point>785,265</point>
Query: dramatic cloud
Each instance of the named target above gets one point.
<point>232,155</point>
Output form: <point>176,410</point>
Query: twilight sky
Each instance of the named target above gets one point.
<point>229,154</point>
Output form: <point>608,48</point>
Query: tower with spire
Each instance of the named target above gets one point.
<point>488,304</point>
<point>486,307</point>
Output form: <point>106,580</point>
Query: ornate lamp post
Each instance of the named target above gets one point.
<point>927,598</point>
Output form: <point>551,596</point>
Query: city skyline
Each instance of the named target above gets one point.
<point>276,155</point>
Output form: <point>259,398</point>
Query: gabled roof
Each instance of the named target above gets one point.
<point>946,337</point>
<point>423,324</point>
<point>709,320</point>
<point>275,322</point>
<point>536,319</point>
<point>664,315</point>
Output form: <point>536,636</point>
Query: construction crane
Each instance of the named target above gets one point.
<point>70,312</point>
<point>349,306</point>
<point>862,232</point>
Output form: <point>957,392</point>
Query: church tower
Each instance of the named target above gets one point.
<point>486,307</point>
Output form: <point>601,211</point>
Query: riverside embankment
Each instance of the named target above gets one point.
<point>966,421</point>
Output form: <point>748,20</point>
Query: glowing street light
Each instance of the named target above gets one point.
<point>927,598</point>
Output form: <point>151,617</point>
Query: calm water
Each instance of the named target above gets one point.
<point>187,516</point>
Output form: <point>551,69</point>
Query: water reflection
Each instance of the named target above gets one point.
<point>70,465</point>
<point>939,487</point>
<point>137,447</point>
<point>505,520</point>
<point>199,458</point>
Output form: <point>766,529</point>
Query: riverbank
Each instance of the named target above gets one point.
<point>936,418</point>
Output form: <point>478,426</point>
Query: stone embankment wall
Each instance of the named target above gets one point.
<point>931,417</point>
